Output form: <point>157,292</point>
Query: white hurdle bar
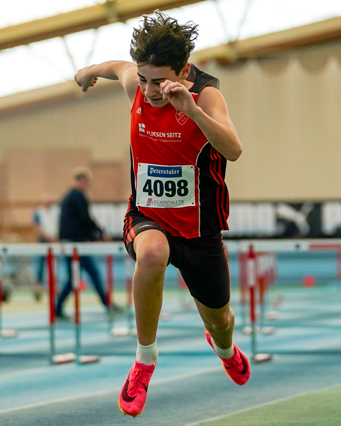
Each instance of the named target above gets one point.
<point>59,249</point>
<point>234,246</point>
<point>284,245</point>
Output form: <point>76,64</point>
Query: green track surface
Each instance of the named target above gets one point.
<point>319,408</point>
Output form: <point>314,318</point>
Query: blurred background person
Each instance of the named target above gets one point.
<point>46,226</point>
<point>76,225</point>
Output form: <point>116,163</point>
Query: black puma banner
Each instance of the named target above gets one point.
<point>285,220</point>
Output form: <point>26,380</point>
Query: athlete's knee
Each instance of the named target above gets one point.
<point>152,257</point>
<point>221,320</point>
<point>153,253</point>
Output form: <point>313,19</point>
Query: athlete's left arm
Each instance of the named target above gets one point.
<point>211,115</point>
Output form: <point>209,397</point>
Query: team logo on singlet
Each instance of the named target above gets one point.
<point>142,128</point>
<point>139,110</point>
<point>181,118</point>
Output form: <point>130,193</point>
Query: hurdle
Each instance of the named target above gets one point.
<point>129,289</point>
<point>129,329</point>
<point>51,251</point>
<point>266,246</point>
<point>264,279</point>
<point>271,248</point>
<point>184,295</point>
<point>109,263</point>
<point>54,358</point>
<point>243,287</point>
<point>264,275</point>
<point>75,270</point>
<point>252,281</point>
<point>338,263</point>
<point>270,279</point>
<point>6,333</point>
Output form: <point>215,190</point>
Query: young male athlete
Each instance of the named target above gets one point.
<point>181,136</point>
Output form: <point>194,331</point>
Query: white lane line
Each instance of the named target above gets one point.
<point>212,419</point>
<point>100,393</point>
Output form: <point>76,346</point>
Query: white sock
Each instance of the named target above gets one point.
<point>224,353</point>
<point>146,354</point>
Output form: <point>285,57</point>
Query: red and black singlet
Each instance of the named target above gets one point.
<point>177,176</point>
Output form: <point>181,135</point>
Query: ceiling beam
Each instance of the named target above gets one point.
<point>240,50</point>
<point>226,54</point>
<point>83,19</point>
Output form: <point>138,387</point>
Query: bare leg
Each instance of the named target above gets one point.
<point>219,323</point>
<point>152,254</point>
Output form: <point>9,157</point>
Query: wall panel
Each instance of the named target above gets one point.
<point>286,110</point>
<point>289,125</point>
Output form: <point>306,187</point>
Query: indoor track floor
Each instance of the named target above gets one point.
<point>188,386</point>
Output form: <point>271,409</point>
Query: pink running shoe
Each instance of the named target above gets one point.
<point>237,367</point>
<point>133,395</point>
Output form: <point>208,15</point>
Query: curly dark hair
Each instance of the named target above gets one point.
<point>161,41</point>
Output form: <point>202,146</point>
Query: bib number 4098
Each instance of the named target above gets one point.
<point>169,188</point>
<point>165,187</point>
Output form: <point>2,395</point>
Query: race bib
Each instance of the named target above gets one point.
<point>165,186</point>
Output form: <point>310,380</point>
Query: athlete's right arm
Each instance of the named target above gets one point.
<point>123,71</point>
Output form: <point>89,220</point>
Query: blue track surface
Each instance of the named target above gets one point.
<point>188,385</point>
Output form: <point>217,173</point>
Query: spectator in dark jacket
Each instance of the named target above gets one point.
<point>76,225</point>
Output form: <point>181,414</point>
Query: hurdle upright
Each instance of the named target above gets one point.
<point>4,332</point>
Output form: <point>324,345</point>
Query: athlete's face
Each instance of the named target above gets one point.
<point>150,78</point>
